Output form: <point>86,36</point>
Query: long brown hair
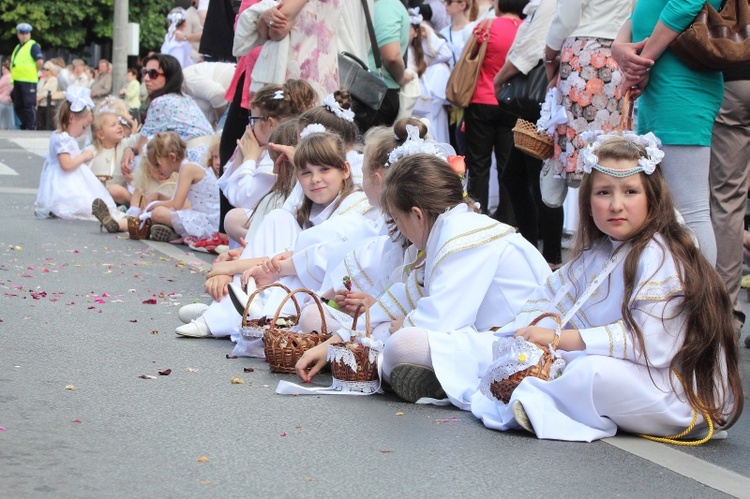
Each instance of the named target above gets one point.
<point>709,328</point>
<point>416,46</point>
<point>321,149</point>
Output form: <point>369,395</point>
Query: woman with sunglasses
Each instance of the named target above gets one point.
<point>169,110</point>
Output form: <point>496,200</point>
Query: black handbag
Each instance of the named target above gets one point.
<point>366,87</point>
<point>523,94</point>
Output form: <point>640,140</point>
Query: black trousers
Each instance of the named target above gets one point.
<point>488,129</point>
<point>533,217</point>
<point>24,104</point>
<point>234,128</point>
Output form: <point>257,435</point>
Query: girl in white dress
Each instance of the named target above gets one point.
<point>249,175</point>
<point>469,273</point>
<point>650,345</point>
<point>67,187</point>
<point>323,172</point>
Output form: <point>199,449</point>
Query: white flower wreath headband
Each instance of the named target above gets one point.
<point>332,105</point>
<point>414,144</point>
<point>647,165</point>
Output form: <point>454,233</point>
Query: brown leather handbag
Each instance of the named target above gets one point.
<point>463,79</point>
<point>716,40</point>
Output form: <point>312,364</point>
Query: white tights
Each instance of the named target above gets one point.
<point>406,346</point>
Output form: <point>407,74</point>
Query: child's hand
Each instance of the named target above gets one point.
<point>536,334</point>
<point>274,264</point>
<point>248,146</point>
<point>126,165</point>
<point>87,155</point>
<point>396,324</point>
<point>232,254</point>
<point>217,286</point>
<point>311,362</point>
<point>286,153</point>
<point>263,274</point>
<point>348,301</point>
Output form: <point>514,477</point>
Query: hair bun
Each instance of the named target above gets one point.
<point>399,128</point>
<point>344,98</point>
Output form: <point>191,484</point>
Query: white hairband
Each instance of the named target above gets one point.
<point>647,165</point>
<point>79,98</point>
<point>332,105</point>
<point>311,129</point>
<point>415,17</point>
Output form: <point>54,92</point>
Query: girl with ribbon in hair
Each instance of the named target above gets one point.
<point>67,186</point>
<point>646,331</point>
<point>175,41</point>
<point>468,273</point>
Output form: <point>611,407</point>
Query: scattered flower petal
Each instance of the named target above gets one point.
<point>165,372</point>
<point>386,452</point>
<point>238,381</point>
<point>191,370</point>
<point>202,459</point>
<point>150,301</point>
<point>283,434</point>
<point>232,356</point>
<point>76,421</point>
<point>399,414</point>
<point>146,376</point>
<point>154,331</point>
<point>249,370</point>
<point>70,387</point>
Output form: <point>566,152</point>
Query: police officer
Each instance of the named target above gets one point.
<point>25,63</point>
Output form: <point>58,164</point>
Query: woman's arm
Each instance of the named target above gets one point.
<point>289,9</point>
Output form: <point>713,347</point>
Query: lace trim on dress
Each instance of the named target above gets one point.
<point>659,290</point>
<point>468,240</point>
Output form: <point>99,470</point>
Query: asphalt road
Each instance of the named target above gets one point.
<point>78,327</point>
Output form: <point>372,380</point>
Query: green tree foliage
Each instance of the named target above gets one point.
<point>73,25</point>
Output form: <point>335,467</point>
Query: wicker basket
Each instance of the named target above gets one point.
<point>533,143</point>
<point>503,389</point>
<point>138,230</point>
<point>342,371</point>
<point>284,347</point>
<point>252,328</point>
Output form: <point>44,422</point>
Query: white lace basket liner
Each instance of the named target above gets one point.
<point>250,328</point>
<point>355,365</point>
<point>516,358</point>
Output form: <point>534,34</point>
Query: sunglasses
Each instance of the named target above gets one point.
<point>151,73</point>
<point>253,119</point>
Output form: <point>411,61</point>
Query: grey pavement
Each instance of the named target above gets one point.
<point>72,314</point>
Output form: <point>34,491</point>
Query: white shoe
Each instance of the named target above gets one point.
<point>191,312</point>
<point>195,329</point>
<point>240,298</point>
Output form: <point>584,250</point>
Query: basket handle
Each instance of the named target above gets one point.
<point>626,113</point>
<point>290,294</point>
<point>558,329</point>
<point>255,293</point>
<point>357,314</point>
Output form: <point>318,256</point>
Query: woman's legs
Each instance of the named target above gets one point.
<point>685,169</point>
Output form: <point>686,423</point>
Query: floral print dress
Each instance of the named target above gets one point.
<point>313,54</point>
<point>590,88</point>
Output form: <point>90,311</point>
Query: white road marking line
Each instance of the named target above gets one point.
<point>17,190</point>
<point>7,170</point>
<point>172,251</point>
<point>684,464</point>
